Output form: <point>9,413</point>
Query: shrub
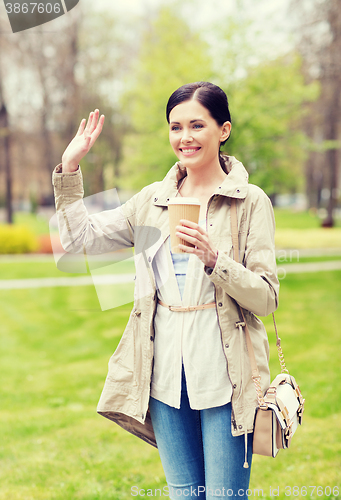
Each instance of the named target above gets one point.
<point>17,239</point>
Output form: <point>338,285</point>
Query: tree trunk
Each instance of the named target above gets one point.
<point>332,156</point>
<point>5,136</point>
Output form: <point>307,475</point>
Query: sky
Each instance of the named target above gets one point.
<point>271,19</point>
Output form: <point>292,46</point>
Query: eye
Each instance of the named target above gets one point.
<point>175,128</point>
<point>198,125</point>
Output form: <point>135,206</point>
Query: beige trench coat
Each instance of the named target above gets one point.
<point>253,284</point>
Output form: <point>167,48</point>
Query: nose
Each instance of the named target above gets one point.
<point>186,136</point>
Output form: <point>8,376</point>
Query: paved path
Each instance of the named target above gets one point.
<point>310,267</point>
<point>108,279</point>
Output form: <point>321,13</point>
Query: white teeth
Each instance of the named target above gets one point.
<point>189,150</point>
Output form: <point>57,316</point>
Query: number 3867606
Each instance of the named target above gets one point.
<point>319,491</point>
<point>30,8</point>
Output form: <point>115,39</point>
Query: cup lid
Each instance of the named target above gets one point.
<point>184,201</point>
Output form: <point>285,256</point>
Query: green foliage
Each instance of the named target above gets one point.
<point>171,55</point>
<point>17,239</point>
<point>267,107</point>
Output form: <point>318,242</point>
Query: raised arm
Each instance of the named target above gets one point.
<point>103,232</point>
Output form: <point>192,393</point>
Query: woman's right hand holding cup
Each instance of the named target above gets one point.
<point>83,141</point>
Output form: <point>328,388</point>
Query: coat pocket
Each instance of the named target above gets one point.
<point>123,364</point>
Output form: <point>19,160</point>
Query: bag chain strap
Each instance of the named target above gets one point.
<point>279,349</point>
<point>240,324</point>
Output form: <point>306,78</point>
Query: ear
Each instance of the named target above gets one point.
<point>225,131</point>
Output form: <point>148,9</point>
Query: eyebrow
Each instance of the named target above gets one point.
<point>192,121</point>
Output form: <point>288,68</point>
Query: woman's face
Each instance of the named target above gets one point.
<point>194,135</point>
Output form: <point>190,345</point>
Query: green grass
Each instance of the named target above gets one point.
<point>37,224</point>
<point>295,258</point>
<point>292,219</point>
<point>303,230</point>
<point>35,269</point>
<point>308,238</point>
<point>54,348</point>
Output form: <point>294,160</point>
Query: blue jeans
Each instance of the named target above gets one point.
<point>199,455</point>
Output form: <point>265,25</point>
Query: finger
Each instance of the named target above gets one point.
<point>185,248</point>
<point>81,127</point>
<point>194,241</point>
<point>98,129</point>
<point>99,126</point>
<point>88,125</point>
<point>193,225</point>
<point>94,121</point>
<point>193,250</point>
<point>191,232</point>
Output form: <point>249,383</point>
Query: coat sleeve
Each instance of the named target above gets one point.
<point>106,231</point>
<point>252,283</point>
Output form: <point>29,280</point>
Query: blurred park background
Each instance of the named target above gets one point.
<point>280,65</point>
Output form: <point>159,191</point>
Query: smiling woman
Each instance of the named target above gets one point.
<point>180,378</point>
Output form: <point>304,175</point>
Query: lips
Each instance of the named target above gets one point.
<point>189,151</point>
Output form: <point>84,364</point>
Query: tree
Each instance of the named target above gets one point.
<point>5,150</point>
<point>320,44</point>
<point>52,80</point>
<point>6,157</point>
<point>105,57</point>
<point>170,56</point>
<point>267,106</point>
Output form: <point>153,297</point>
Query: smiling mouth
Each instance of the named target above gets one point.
<point>189,151</point>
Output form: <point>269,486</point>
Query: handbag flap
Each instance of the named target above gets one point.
<point>286,404</point>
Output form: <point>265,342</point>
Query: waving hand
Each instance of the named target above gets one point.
<point>83,141</point>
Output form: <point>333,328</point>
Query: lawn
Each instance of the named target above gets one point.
<point>54,349</point>
<point>287,218</point>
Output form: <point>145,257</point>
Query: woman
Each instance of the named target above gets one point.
<point>181,379</point>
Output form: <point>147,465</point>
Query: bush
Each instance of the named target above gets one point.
<point>17,239</point>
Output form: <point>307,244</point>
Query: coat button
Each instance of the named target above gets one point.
<point>227,346</point>
<point>152,338</point>
<point>234,386</point>
<point>220,304</point>
<point>238,190</point>
<point>240,426</point>
<point>167,199</point>
<point>155,199</point>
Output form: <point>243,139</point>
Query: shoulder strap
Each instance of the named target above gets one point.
<point>254,367</point>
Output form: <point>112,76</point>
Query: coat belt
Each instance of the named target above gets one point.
<point>187,308</point>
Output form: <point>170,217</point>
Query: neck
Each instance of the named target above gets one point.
<point>200,179</point>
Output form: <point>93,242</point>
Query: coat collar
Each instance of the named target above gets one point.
<point>234,186</point>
